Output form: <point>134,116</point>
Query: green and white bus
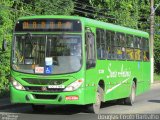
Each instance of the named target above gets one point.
<point>74,60</point>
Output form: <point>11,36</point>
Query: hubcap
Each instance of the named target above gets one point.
<point>96,106</point>
<point>98,101</point>
<point>133,94</point>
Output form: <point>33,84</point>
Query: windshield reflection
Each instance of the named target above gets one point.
<point>51,54</point>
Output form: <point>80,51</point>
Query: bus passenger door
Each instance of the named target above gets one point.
<point>90,67</point>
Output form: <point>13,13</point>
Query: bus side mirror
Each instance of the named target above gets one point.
<point>4,45</point>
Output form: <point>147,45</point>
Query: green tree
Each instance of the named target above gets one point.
<point>53,7</point>
<point>10,11</point>
<point>6,26</point>
<point>125,12</point>
<point>157,38</point>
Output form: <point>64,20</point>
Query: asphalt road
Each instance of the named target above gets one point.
<point>147,103</point>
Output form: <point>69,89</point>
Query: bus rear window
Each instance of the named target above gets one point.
<point>55,25</point>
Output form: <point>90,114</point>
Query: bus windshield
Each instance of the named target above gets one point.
<point>47,54</point>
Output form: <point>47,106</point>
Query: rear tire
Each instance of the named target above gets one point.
<point>95,107</point>
<point>130,100</point>
<point>38,108</point>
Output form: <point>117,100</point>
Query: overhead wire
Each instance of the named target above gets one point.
<point>82,3</point>
<point>92,14</point>
<point>90,10</point>
<point>85,7</point>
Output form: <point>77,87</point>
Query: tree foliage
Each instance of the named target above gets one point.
<point>10,11</point>
<point>157,53</point>
<point>53,7</point>
<point>5,33</point>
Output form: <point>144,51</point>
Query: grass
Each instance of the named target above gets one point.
<point>157,76</point>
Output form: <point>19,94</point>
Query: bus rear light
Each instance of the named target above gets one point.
<point>72,97</point>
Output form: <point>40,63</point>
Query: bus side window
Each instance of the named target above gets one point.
<point>137,50</point>
<point>129,49</point>
<point>120,46</point>
<point>90,50</point>
<point>123,46</point>
<point>98,41</point>
<point>141,48</point>
<point>101,44</point>
<point>145,50</point>
<point>111,48</point>
<point>117,51</point>
<point>108,40</point>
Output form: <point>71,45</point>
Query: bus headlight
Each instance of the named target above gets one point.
<point>17,85</point>
<point>74,86</point>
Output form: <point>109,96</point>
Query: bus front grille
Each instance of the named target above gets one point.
<point>36,81</point>
<point>42,89</point>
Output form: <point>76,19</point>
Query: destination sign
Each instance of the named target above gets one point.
<point>48,25</point>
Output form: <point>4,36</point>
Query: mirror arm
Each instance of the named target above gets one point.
<point>4,45</point>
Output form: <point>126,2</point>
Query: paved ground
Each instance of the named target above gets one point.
<point>147,103</point>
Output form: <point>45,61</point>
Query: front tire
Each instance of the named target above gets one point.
<point>130,100</point>
<point>95,107</point>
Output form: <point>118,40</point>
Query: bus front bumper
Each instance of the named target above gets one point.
<point>42,98</point>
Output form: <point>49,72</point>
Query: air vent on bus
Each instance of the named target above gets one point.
<point>38,96</point>
<point>42,89</point>
<point>44,81</point>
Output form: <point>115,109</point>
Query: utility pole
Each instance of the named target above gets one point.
<point>152,38</point>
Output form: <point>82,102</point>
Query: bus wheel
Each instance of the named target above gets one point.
<point>38,108</point>
<point>94,108</point>
<point>130,100</point>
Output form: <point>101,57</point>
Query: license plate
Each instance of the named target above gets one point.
<point>56,86</point>
<point>72,97</point>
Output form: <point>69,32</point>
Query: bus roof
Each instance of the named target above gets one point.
<point>94,23</point>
